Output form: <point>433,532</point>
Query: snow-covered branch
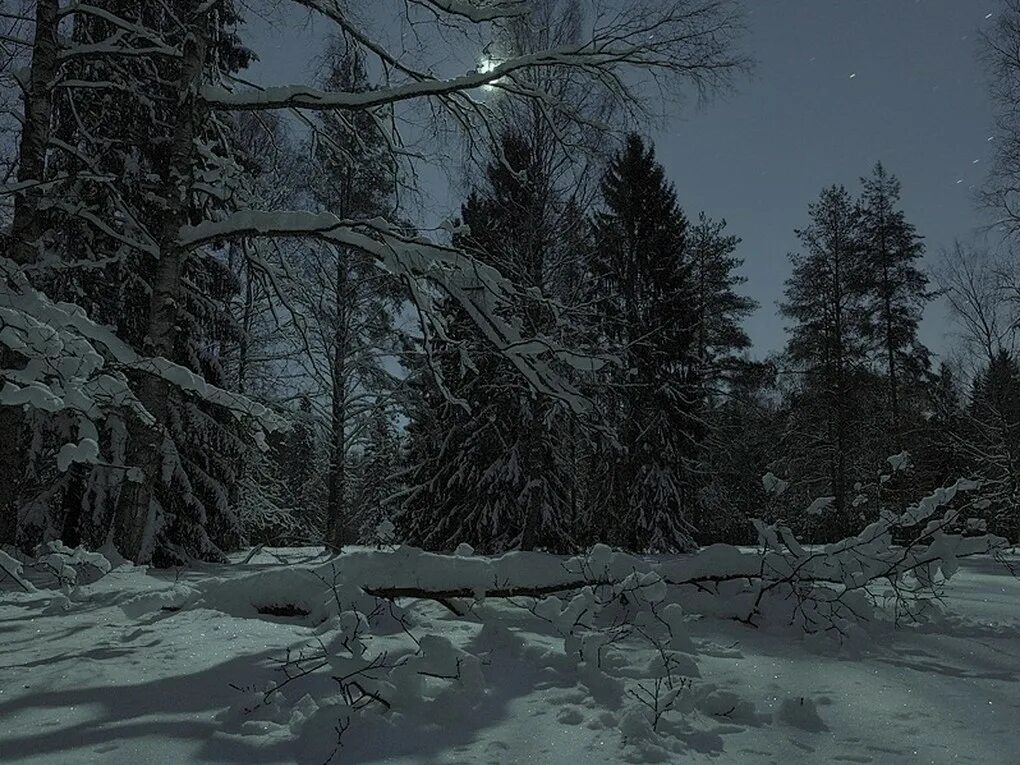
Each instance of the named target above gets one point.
<point>479,289</point>
<point>687,41</point>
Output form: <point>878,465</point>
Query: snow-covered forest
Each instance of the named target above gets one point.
<point>295,469</point>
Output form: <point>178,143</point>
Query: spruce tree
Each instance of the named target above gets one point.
<point>129,160</point>
<point>644,290</point>
<point>489,464</point>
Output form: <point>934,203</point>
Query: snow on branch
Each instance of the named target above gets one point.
<point>71,363</point>
<point>816,589</point>
<point>479,289</point>
<point>687,41</point>
<point>476,11</point>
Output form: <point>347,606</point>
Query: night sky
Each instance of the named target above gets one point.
<point>839,85</point>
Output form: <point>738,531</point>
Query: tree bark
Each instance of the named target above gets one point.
<point>339,529</point>
<point>25,231</point>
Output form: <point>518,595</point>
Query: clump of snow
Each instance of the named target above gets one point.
<point>773,485</point>
<point>54,566</point>
<point>899,461</point>
<point>800,712</point>
<point>819,505</point>
<point>57,605</point>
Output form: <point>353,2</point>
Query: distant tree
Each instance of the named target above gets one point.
<point>937,455</point>
<point>349,302</point>
<point>744,427</point>
<point>374,471</point>
<point>994,444</point>
<point>970,276</point>
<point>721,310</point>
<point>826,298</point>
<point>1001,51</point>
<point>896,295</point>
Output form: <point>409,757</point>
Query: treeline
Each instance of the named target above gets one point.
<point>851,419</point>
<point>222,325</point>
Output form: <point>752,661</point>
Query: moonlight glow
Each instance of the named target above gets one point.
<point>486,65</point>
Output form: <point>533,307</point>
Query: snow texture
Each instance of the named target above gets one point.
<point>148,666</point>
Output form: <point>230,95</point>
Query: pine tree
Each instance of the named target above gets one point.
<point>720,309</point>
<point>646,295</point>
<point>828,345</point>
<point>897,294</point>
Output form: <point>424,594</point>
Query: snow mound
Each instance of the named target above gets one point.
<point>800,712</point>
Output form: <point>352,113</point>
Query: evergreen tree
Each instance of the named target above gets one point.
<point>744,426</point>
<point>720,309</point>
<point>897,294</point>
<point>644,289</point>
<point>994,441</point>
<point>938,457</point>
<point>489,464</point>
<point>828,345</point>
<point>126,159</point>
<point>375,470</point>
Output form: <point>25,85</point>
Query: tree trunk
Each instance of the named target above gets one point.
<point>894,398</point>
<point>138,499</point>
<point>25,230</point>
<point>339,529</point>
<point>35,132</point>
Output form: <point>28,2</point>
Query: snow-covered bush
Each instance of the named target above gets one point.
<point>53,566</point>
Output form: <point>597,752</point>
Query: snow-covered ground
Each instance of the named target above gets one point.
<point>117,679</point>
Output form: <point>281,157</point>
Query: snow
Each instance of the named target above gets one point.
<point>773,484</point>
<point>160,666</point>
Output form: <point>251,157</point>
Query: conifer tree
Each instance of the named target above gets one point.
<point>375,483</point>
<point>491,468</point>
<point>642,271</point>
<point>896,296</point>
<point>115,160</point>
<point>720,309</point>
<point>828,346</point>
